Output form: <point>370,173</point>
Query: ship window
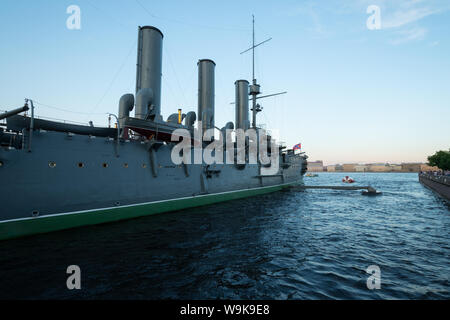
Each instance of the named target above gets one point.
<point>80,164</point>
<point>125,165</point>
<point>105,165</point>
<point>35,213</point>
<point>1,163</point>
<point>144,165</point>
<point>52,164</point>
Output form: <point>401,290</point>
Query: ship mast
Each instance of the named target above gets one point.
<point>255,87</point>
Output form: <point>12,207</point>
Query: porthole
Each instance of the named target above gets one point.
<point>1,163</point>
<point>117,203</point>
<point>125,165</point>
<point>35,213</point>
<point>80,165</point>
<point>144,165</point>
<point>105,165</point>
<point>52,164</point>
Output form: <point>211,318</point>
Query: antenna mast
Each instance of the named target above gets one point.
<point>255,87</point>
<point>253,48</point>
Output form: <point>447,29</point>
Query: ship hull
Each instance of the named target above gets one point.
<point>28,226</point>
<point>69,181</point>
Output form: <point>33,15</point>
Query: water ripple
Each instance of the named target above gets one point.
<point>314,244</point>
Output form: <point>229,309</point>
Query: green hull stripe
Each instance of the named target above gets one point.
<point>19,228</point>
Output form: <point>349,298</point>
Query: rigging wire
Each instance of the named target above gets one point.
<point>170,89</point>
<point>191,104</point>
<point>166,50</point>
<point>108,15</point>
<point>129,53</point>
<point>66,109</point>
<point>175,73</point>
<point>221,97</point>
<point>116,75</point>
<point>187,23</point>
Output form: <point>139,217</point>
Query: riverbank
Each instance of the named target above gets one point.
<point>439,184</point>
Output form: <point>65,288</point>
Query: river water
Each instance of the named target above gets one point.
<point>315,244</point>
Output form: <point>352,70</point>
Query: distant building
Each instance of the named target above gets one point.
<point>349,167</point>
<point>361,168</point>
<point>371,167</point>
<point>395,167</point>
<point>411,167</point>
<point>379,167</point>
<point>315,166</point>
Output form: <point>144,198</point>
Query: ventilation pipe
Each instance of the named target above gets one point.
<point>126,104</point>
<point>190,119</point>
<point>226,132</point>
<point>229,126</point>
<point>148,72</point>
<point>175,117</point>
<point>206,93</point>
<point>242,121</point>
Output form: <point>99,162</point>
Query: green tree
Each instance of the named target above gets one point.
<point>440,159</point>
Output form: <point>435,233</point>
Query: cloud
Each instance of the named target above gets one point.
<point>401,20</point>
<point>407,35</point>
<point>434,44</point>
<point>402,17</point>
<point>311,11</point>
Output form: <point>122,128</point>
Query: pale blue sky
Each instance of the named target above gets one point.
<point>354,95</point>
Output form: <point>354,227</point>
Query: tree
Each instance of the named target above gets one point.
<point>440,159</point>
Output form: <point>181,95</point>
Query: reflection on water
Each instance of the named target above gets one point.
<point>314,244</point>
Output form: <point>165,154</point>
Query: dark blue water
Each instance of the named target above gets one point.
<point>315,244</point>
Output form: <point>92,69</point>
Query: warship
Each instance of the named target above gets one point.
<point>58,175</point>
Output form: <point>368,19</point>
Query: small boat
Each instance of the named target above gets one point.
<point>347,179</point>
<point>311,175</point>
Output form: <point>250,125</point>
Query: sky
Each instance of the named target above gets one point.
<point>355,94</point>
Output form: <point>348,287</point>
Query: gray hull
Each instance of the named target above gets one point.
<point>66,173</point>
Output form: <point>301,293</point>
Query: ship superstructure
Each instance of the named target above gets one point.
<point>58,175</point>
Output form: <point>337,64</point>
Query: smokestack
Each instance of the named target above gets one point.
<point>148,72</point>
<point>206,93</point>
<point>242,121</point>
